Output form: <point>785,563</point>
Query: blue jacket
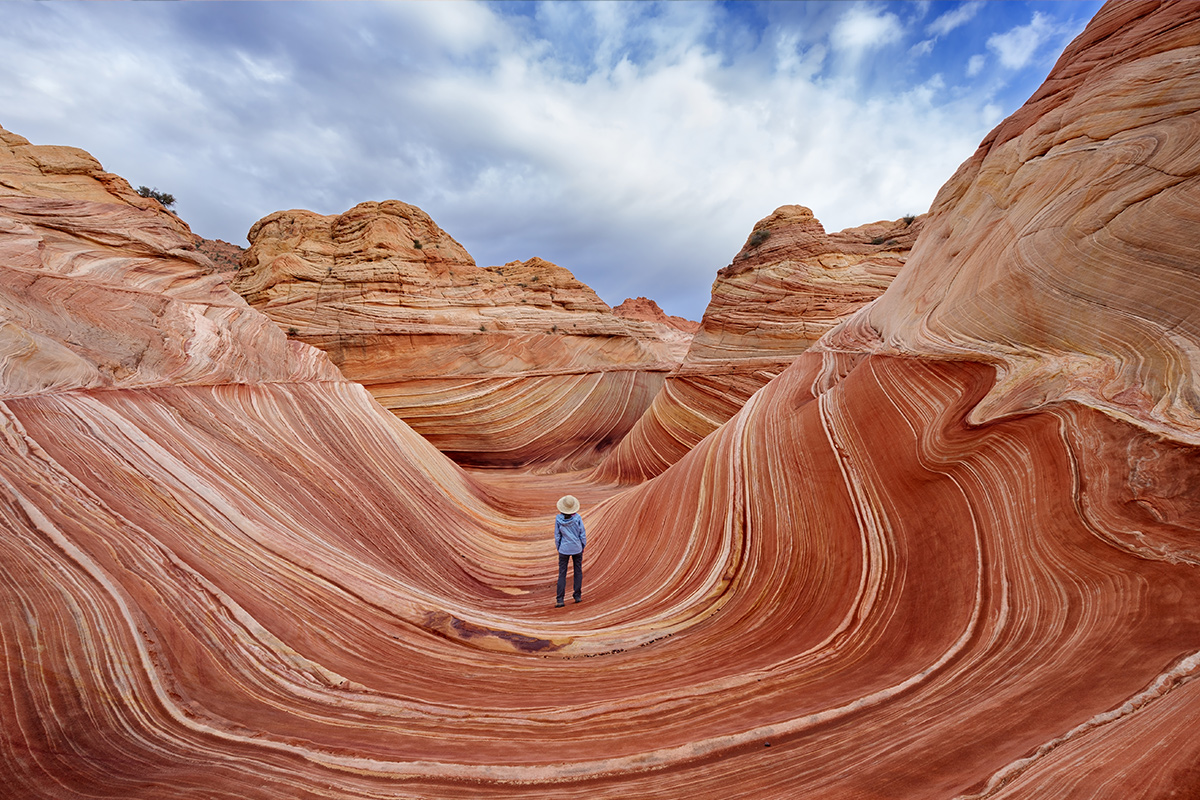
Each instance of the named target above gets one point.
<point>569,536</point>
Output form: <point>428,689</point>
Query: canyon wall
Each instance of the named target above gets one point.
<point>512,365</point>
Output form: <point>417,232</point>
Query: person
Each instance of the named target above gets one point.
<point>569,540</point>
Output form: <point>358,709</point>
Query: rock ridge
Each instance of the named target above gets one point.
<point>789,284</point>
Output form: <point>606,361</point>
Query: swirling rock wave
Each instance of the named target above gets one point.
<point>1063,251</point>
<point>893,573</point>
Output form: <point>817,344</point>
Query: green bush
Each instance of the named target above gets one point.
<point>167,200</point>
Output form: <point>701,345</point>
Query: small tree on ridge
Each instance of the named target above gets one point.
<point>167,200</point>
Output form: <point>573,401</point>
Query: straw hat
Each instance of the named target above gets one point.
<point>568,504</point>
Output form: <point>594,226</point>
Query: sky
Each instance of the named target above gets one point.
<point>633,143</point>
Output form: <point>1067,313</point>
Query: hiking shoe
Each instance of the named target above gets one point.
<point>559,604</point>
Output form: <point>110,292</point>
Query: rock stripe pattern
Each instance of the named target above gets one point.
<point>898,571</point>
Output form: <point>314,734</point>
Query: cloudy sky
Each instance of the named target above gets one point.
<point>635,144</point>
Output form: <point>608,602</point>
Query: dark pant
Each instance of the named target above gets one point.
<point>562,575</point>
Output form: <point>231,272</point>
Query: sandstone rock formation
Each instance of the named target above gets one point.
<point>789,285</point>
<point>101,291</point>
<point>899,571</point>
<point>1063,251</point>
<point>226,257</point>
<point>508,365</point>
<point>646,310</point>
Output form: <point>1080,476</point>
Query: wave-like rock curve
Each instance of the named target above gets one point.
<point>255,582</point>
<point>1063,252</point>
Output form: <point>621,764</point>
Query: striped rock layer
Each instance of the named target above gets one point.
<point>889,575</point>
<point>104,290</point>
<point>1063,252</point>
<point>790,284</point>
<point>514,365</point>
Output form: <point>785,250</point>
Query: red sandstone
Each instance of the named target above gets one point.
<point>948,552</point>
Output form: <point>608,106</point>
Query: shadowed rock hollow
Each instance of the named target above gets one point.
<point>950,551</point>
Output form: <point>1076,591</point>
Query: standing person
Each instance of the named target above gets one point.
<point>569,539</point>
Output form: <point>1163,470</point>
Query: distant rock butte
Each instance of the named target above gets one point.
<point>226,257</point>
<point>505,365</point>
<point>646,310</point>
<point>789,285</point>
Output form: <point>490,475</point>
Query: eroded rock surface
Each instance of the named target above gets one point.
<point>226,257</point>
<point>1063,252</point>
<point>104,290</point>
<point>508,365</point>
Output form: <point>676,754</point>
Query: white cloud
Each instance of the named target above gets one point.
<point>631,150</point>
<point>1017,47</point>
<point>954,19</point>
<point>263,70</point>
<point>922,48</point>
<point>863,28</point>
<point>793,60</point>
<point>975,64</point>
<point>457,27</point>
<point>678,169</point>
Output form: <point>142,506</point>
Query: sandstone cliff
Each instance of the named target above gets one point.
<point>788,286</point>
<point>1062,252</point>
<point>102,289</point>
<point>508,365</point>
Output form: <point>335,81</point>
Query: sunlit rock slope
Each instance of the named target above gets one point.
<point>789,285</point>
<point>512,365</point>
<point>919,563</point>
